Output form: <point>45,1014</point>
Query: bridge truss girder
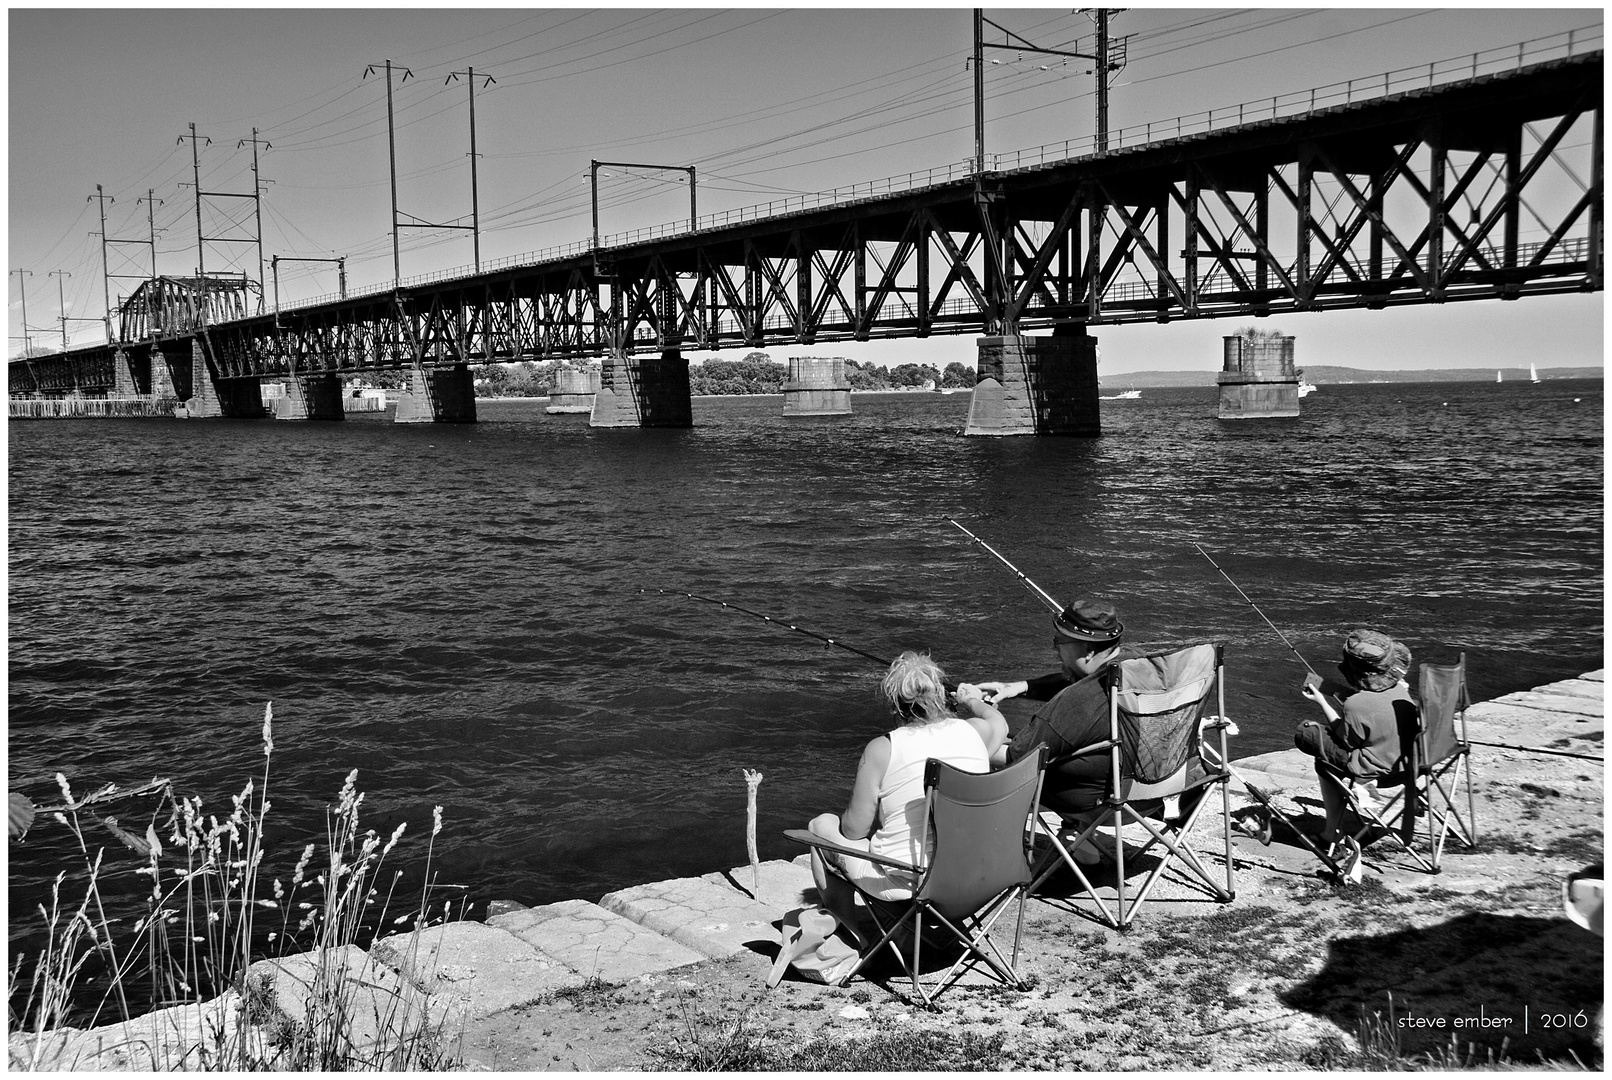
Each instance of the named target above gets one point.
<point>1488,189</point>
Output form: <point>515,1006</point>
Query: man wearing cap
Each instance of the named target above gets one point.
<point>1360,741</point>
<point>1086,636</point>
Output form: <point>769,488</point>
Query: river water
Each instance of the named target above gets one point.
<point>459,612</point>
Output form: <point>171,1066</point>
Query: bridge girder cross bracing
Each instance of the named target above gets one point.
<point>1490,188</point>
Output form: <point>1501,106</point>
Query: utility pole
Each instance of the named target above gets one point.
<point>152,202</point>
<point>61,299</point>
<point>475,210</point>
<point>106,279</point>
<point>1102,79</point>
<point>341,270</point>
<point>391,151</point>
<point>26,345</point>
<point>1103,62</point>
<point>979,92</point>
<point>593,173</point>
<point>257,202</point>
<point>1018,45</point>
<point>201,266</point>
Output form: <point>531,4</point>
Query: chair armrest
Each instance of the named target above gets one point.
<point>1082,752</point>
<point>812,840</point>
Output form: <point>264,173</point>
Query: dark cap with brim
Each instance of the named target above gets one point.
<point>1089,620</point>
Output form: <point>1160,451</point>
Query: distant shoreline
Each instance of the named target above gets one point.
<point>1329,375</point>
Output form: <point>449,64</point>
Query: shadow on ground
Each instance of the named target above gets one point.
<point>1525,987</point>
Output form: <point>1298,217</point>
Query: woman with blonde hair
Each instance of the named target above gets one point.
<point>885,815</point>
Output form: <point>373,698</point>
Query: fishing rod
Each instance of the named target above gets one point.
<point>1032,586</point>
<point>776,622</point>
<point>1258,612</point>
<point>1331,715</point>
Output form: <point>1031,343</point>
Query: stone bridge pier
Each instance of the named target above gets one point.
<point>211,396</point>
<point>643,391</point>
<point>1036,385</point>
<point>311,397</point>
<point>445,395</point>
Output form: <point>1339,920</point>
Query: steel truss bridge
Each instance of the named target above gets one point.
<point>1485,188</point>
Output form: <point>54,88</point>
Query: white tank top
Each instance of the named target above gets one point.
<point>901,792</point>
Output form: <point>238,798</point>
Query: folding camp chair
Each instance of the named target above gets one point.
<point>1158,719</point>
<point>1435,765</point>
<point>979,864</point>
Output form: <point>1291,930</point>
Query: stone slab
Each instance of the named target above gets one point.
<point>1584,686</point>
<point>594,942</point>
<point>1565,703</point>
<point>488,969</point>
<point>785,884</point>
<point>185,1037</point>
<point>382,1010</point>
<point>709,916</point>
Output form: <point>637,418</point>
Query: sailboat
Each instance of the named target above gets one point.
<point>1533,373</point>
<point>1497,377</point>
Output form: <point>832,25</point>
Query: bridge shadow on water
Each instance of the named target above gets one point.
<point>1524,987</point>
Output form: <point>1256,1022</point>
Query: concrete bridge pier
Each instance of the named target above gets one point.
<point>817,386</point>
<point>438,395</point>
<point>646,391</point>
<point>1036,385</point>
<point>310,397</point>
<point>1257,378</point>
<point>574,388</point>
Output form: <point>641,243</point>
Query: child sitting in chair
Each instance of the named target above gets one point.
<point>1360,740</point>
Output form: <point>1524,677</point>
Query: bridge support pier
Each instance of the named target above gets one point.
<point>124,383</point>
<point>817,386</point>
<point>439,395</point>
<point>647,391</point>
<point>1036,385</point>
<point>574,388</point>
<point>1257,379</point>
<point>240,399</point>
<point>310,397</point>
<point>162,376</point>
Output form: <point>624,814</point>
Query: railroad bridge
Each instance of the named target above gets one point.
<point>1421,194</point>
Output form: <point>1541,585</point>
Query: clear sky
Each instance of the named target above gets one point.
<point>764,102</point>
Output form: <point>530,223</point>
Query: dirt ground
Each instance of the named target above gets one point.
<point>1474,966</point>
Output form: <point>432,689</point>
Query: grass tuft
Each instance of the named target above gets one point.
<point>210,921</point>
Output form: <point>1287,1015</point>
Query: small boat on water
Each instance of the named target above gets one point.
<point>1306,388</point>
<point>1123,395</point>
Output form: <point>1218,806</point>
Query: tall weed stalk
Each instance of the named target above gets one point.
<point>203,932</point>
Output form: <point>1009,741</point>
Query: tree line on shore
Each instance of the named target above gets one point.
<point>754,373</point>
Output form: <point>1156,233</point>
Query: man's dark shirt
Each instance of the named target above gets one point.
<point>1076,716</point>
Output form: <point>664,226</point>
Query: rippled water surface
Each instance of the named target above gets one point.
<point>458,611</point>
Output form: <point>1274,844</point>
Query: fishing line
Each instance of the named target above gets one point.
<point>1056,607</point>
<point>1538,750</point>
<point>1258,612</point>
<point>775,622</point>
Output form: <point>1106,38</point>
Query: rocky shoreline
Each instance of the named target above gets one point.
<point>1475,965</point>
